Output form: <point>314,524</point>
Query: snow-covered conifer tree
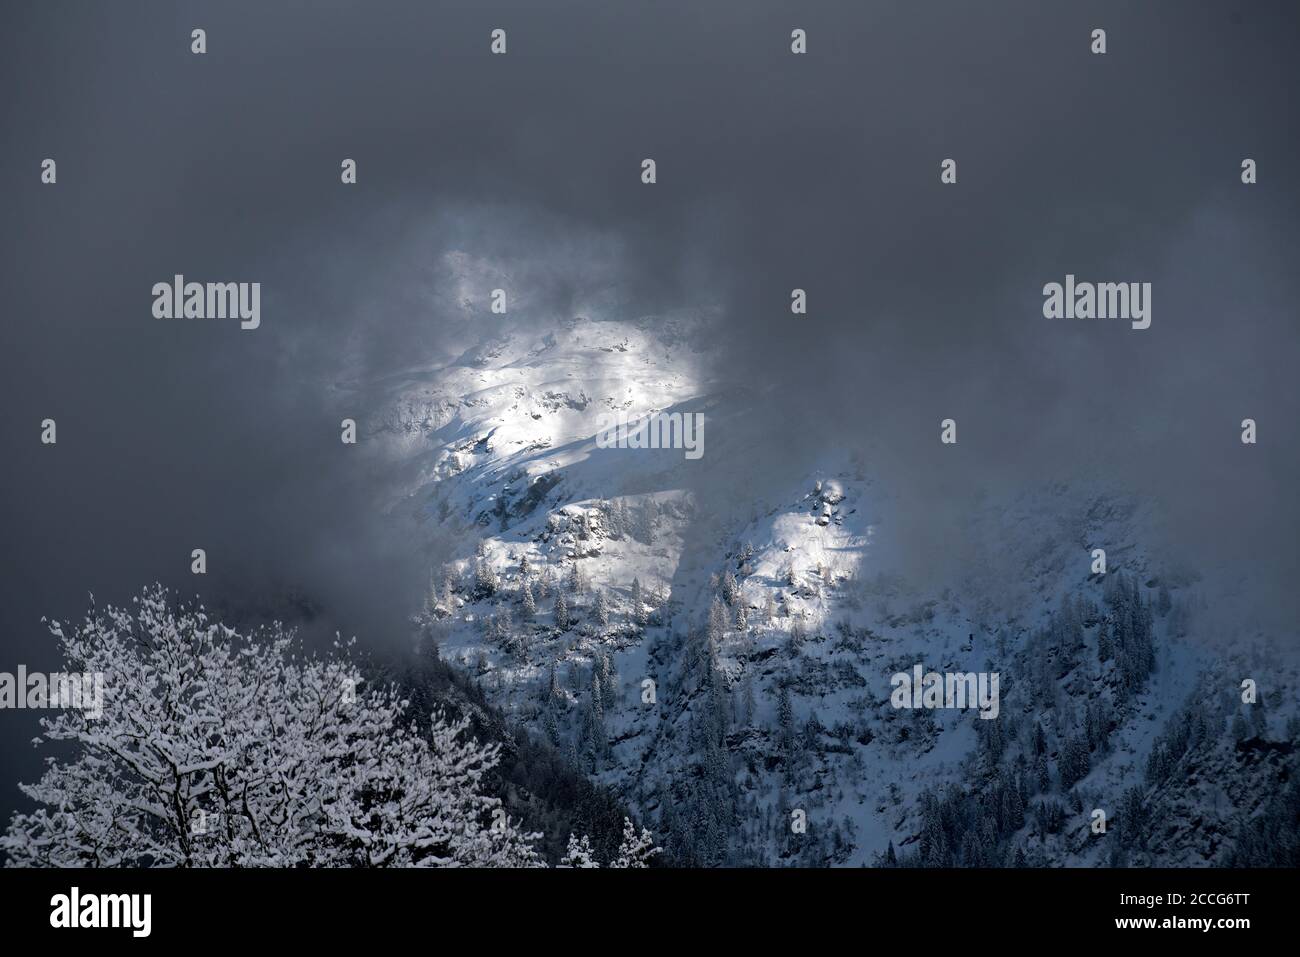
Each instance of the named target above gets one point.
<point>529,602</point>
<point>579,853</point>
<point>635,850</point>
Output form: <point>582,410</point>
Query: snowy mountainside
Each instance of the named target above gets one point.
<point>724,665</point>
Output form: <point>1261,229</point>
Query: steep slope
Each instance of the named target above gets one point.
<point>727,669</point>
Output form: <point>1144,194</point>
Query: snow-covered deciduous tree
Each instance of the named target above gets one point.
<point>216,748</point>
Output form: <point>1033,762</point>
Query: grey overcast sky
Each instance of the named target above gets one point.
<point>775,171</point>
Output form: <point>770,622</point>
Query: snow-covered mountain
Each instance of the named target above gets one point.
<point>717,646</point>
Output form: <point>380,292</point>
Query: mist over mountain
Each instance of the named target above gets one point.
<point>827,538</point>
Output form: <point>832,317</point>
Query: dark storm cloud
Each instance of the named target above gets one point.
<point>775,171</point>
<point>925,300</point>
